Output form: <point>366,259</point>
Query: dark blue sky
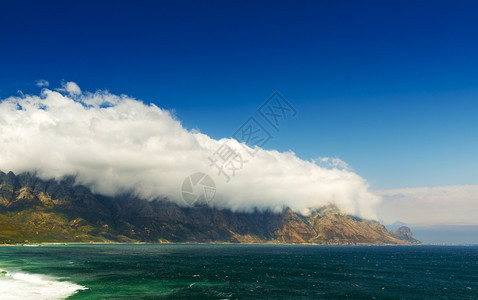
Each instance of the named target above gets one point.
<point>390,88</point>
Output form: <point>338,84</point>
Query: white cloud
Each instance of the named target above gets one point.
<point>427,206</point>
<point>71,88</point>
<point>116,144</point>
<point>332,163</point>
<point>42,83</point>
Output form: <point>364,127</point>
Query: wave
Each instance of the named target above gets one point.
<point>25,286</point>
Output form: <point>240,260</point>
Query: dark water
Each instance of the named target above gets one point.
<point>254,271</point>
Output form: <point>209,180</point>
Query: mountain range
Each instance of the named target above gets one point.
<point>33,210</point>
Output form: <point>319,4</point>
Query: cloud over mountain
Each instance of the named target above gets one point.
<point>116,144</point>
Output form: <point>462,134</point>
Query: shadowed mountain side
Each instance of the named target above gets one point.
<point>35,210</point>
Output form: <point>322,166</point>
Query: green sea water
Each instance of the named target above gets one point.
<point>183,271</point>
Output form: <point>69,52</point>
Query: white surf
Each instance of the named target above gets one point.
<point>20,285</point>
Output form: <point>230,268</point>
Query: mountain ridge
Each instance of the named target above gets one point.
<point>36,210</point>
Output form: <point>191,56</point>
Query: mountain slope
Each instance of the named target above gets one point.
<point>35,210</point>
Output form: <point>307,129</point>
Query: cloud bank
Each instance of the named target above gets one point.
<point>116,144</point>
<point>429,206</point>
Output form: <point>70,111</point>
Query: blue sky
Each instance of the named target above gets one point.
<point>390,88</point>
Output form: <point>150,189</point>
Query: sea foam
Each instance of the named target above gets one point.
<point>20,285</point>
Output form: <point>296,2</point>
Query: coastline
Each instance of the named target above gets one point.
<point>222,243</point>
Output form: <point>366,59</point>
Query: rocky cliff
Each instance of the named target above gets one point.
<point>34,210</point>
<point>404,233</point>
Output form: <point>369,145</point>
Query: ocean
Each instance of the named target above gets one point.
<point>180,271</point>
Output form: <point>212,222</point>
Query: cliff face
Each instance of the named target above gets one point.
<point>34,210</point>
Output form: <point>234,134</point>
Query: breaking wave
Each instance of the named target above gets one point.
<point>25,286</point>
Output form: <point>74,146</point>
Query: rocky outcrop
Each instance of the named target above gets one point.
<point>404,233</point>
<point>59,211</point>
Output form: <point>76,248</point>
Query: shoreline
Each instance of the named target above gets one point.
<point>222,243</point>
